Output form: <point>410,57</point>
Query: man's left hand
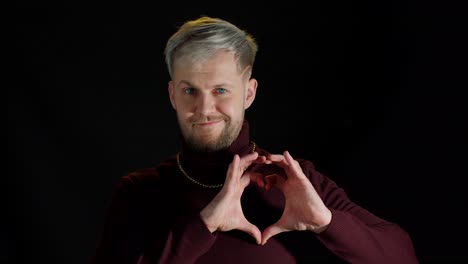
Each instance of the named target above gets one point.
<point>304,209</point>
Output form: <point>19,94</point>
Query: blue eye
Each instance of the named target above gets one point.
<point>221,90</point>
<point>189,90</point>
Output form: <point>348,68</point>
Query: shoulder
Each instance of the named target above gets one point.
<point>322,183</point>
<point>150,176</point>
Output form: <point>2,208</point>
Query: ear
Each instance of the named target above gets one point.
<point>251,92</point>
<point>170,89</point>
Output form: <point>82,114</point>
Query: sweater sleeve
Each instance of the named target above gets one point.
<point>124,240</point>
<point>355,234</point>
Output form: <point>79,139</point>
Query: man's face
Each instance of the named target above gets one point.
<point>210,99</point>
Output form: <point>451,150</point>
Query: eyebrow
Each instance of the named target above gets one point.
<point>194,86</point>
<point>184,82</point>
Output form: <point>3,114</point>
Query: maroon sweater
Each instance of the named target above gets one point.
<point>154,218</point>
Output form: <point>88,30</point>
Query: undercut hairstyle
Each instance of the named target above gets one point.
<point>198,40</point>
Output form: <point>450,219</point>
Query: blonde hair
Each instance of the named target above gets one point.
<point>199,39</point>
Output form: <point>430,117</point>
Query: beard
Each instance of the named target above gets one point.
<point>209,143</point>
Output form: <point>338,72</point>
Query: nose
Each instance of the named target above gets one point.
<point>205,104</point>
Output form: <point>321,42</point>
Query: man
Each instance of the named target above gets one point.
<point>223,199</point>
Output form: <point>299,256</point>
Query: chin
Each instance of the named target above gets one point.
<point>210,140</point>
<point>208,144</point>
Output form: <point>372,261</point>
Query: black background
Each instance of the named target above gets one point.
<point>371,92</point>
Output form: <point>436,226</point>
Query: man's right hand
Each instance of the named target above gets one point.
<point>224,212</point>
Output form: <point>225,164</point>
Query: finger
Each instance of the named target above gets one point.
<point>233,167</point>
<point>275,157</point>
<point>256,178</point>
<point>245,181</point>
<point>247,160</point>
<point>290,159</point>
<point>251,156</point>
<point>252,230</point>
<point>260,160</point>
<point>294,165</point>
<point>279,160</point>
<point>282,164</point>
<point>272,231</point>
<point>263,160</point>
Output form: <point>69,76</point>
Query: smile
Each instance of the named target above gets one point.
<point>209,123</point>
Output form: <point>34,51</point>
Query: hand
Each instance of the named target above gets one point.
<point>224,212</point>
<point>304,209</point>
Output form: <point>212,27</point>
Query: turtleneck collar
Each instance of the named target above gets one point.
<point>211,167</point>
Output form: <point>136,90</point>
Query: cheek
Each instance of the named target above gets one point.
<point>231,107</point>
<point>183,111</point>
<point>183,104</point>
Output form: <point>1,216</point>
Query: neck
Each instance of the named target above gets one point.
<point>202,165</point>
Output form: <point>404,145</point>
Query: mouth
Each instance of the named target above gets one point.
<point>208,123</point>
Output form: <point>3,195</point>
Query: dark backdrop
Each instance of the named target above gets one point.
<point>371,92</point>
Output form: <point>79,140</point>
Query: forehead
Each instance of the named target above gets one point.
<point>220,64</point>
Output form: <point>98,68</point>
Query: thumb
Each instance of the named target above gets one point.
<point>271,231</point>
<point>251,230</point>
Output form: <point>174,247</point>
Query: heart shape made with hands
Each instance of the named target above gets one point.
<point>304,209</point>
